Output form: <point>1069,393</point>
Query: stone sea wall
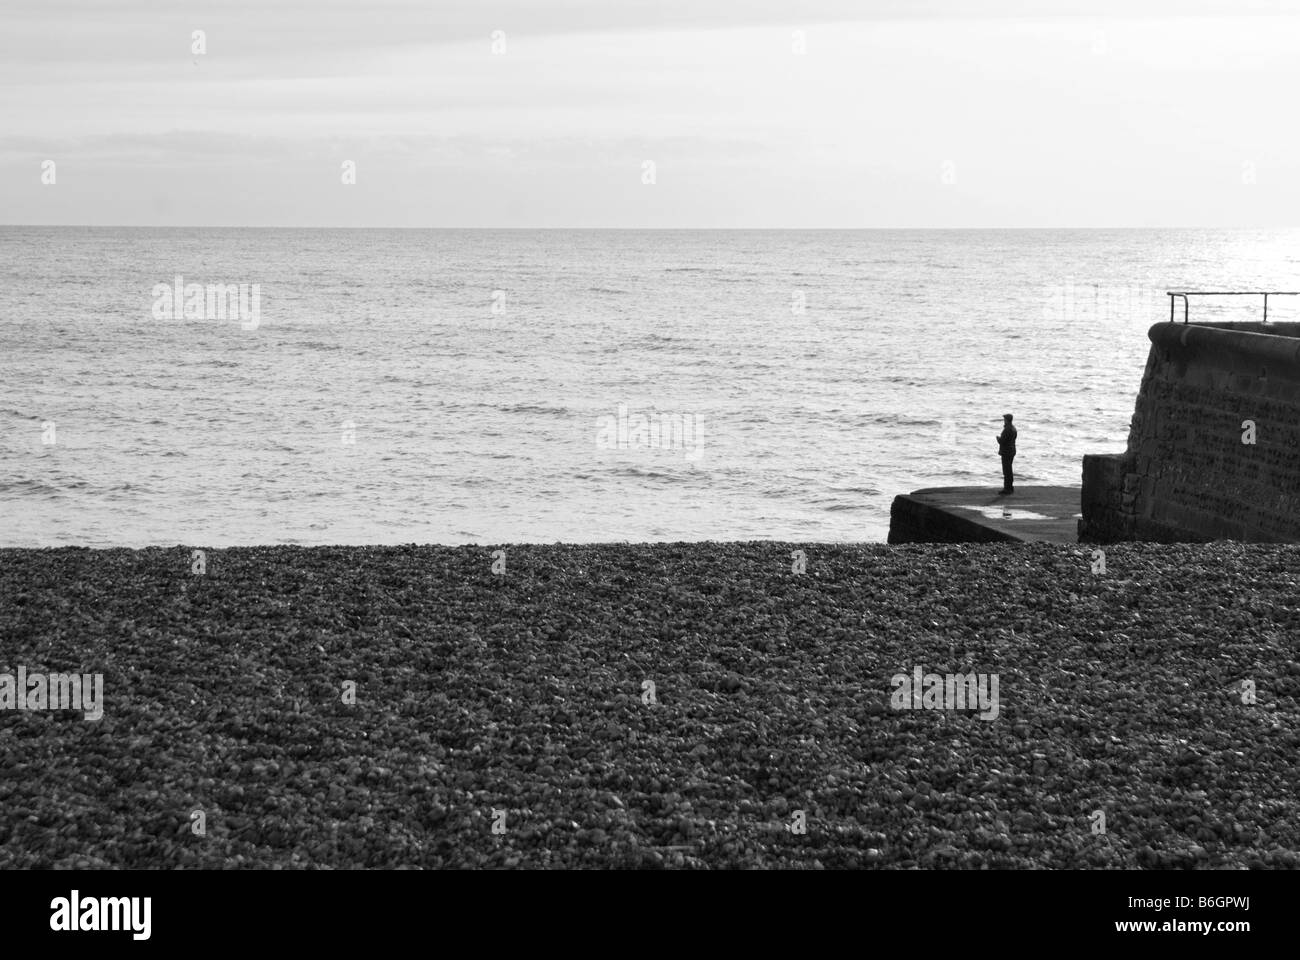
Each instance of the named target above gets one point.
<point>1214,444</point>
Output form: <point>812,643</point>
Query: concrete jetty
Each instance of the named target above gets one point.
<point>981,515</point>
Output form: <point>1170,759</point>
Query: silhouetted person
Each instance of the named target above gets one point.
<point>1007,450</point>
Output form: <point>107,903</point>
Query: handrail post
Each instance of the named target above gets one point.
<point>1188,294</point>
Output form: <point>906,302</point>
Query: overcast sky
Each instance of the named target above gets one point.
<point>899,113</point>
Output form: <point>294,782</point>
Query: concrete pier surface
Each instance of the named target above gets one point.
<point>982,515</point>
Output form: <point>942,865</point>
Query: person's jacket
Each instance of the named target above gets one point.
<point>1007,442</point>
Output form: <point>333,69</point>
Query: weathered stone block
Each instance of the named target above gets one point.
<point>1186,476</point>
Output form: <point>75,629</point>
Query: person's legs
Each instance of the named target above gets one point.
<point>1007,478</point>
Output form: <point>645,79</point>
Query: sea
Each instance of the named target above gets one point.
<point>506,386</point>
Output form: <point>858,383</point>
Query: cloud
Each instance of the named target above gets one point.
<point>1042,125</point>
<point>266,31</point>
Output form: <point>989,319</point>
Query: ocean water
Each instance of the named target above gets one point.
<point>455,386</point>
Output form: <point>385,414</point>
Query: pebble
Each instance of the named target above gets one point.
<point>543,718</point>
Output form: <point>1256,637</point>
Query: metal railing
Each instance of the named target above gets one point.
<point>1226,293</point>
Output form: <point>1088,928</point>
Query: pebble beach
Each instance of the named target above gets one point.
<point>681,706</point>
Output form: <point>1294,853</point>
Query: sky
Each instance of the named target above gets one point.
<point>668,113</point>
